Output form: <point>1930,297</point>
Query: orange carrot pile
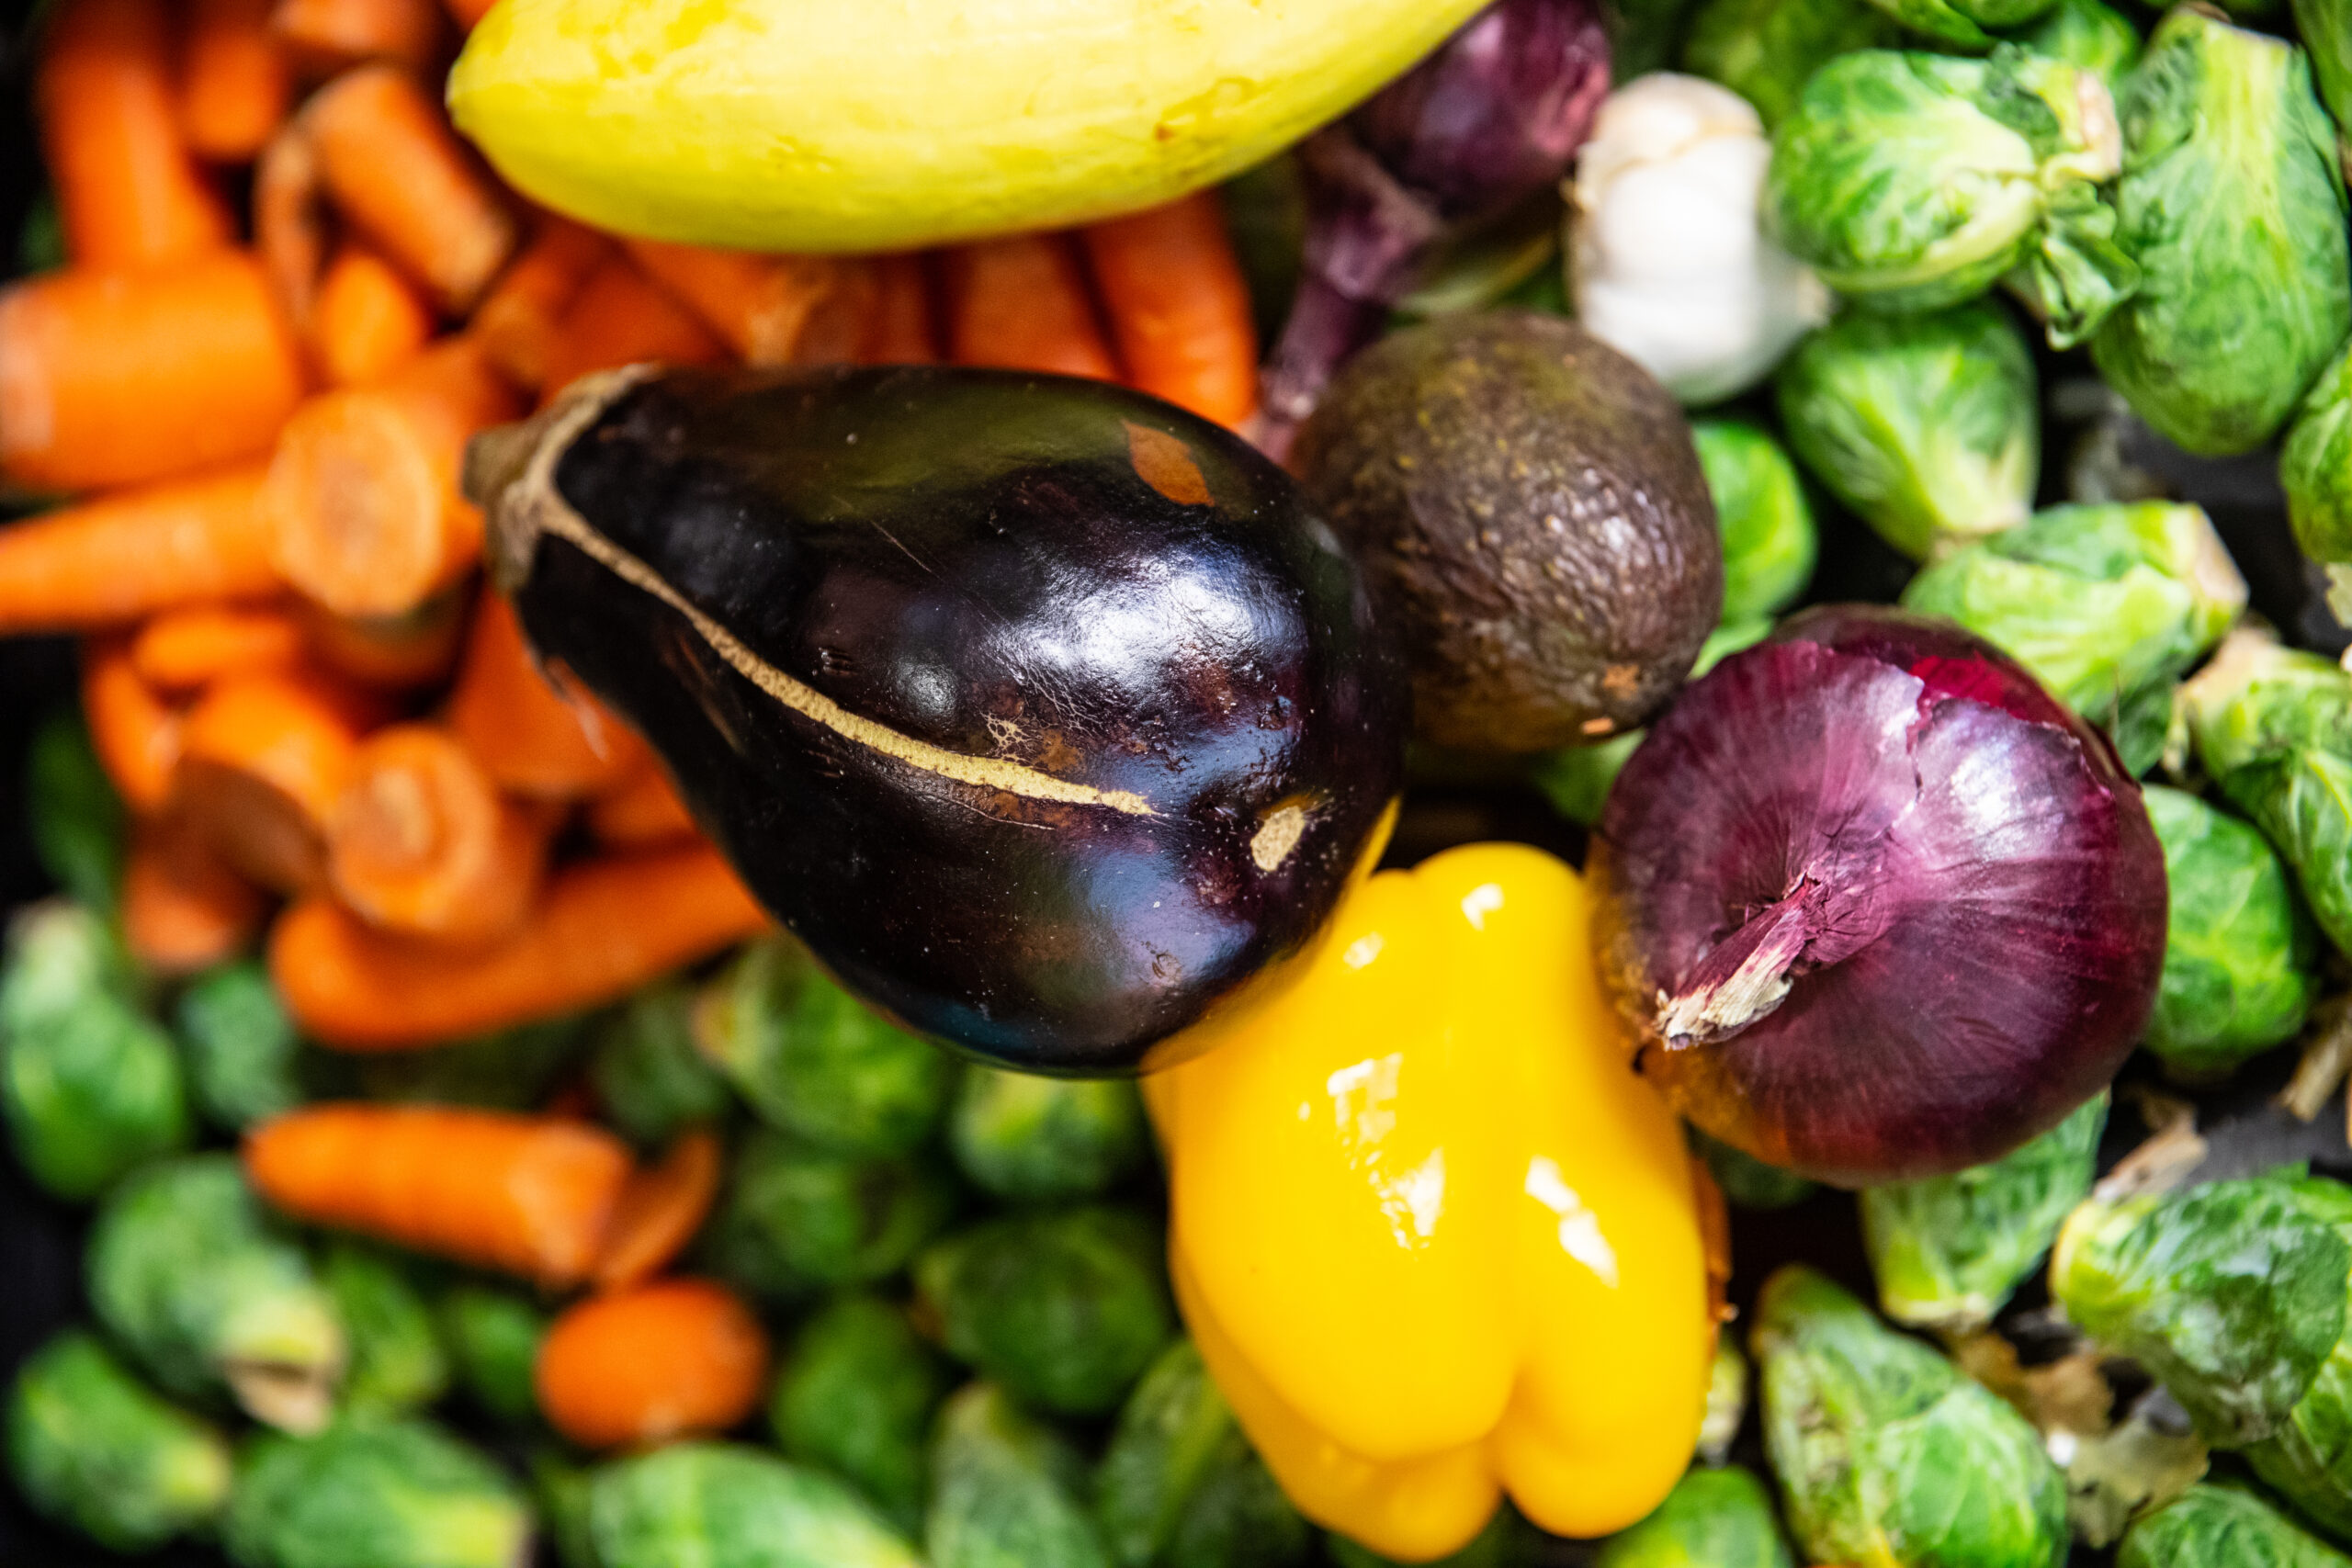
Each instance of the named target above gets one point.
<point>659,1211</point>
<point>621,317</point>
<point>533,737</point>
<point>902,329</point>
<point>390,652</point>
<point>184,909</point>
<point>663,1359</point>
<point>235,85</point>
<point>185,649</point>
<point>138,551</point>
<point>1179,307</point>
<point>262,759</point>
<point>366,320</point>
<point>520,320</point>
<point>326,36</point>
<point>761,307</point>
<point>135,733</point>
<point>1021,303</point>
<point>422,842</point>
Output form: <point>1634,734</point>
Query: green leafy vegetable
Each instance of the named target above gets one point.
<point>1767,50</point>
<point>494,1334</point>
<point>1747,1182</point>
<point>513,1069</point>
<point>1770,540</point>
<point>89,1445</point>
<point>1961,23</point>
<point>2088,34</point>
<point>396,1361</point>
<point>2315,467</point>
<point>1029,1138</point>
<point>1181,1487</point>
<point>2221,1527</point>
<point>722,1504</point>
<point>2308,1460</point>
<point>648,1077</point>
<point>368,1493</point>
<point>856,1398</point>
<point>76,821</point>
<point>795,1220</point>
<point>243,1057</point>
<point>1712,1519</point>
<point>2325,26</point>
<point>1006,1490</point>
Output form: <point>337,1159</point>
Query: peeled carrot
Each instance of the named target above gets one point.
<point>181,650</point>
<point>422,842</point>
<point>1021,303</point>
<point>235,85</point>
<point>642,809</point>
<point>674,1357</point>
<point>136,552</point>
<point>328,36</point>
<point>134,731</point>
<point>519,318</point>
<point>120,378</point>
<point>529,1194</point>
<point>899,329</point>
<point>659,1211</point>
<point>602,929</point>
<point>362,499</point>
<point>533,737</point>
<point>621,317</point>
<point>390,652</point>
<point>1179,307</point>
<point>367,321</point>
<point>182,908</point>
<point>262,761</point>
<point>128,192</point>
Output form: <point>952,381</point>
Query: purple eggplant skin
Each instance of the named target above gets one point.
<point>1045,712</point>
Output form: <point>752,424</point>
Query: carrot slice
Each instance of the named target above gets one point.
<point>1021,303</point>
<point>659,1210</point>
<point>1179,307</point>
<point>369,321</point>
<point>136,552</point>
<point>182,908</point>
<point>183,650</point>
<point>643,809</point>
<point>134,732</point>
<point>262,761</point>
<point>422,842</point>
<point>519,319</point>
<point>328,36</point>
<point>643,1365</point>
<point>533,737</point>
<point>391,652</point>
<point>620,316</point>
<point>235,86</point>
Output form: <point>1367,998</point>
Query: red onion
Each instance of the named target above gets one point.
<point>1874,905</point>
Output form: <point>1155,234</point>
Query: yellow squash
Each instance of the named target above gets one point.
<point>1433,1238</point>
<point>858,125</point>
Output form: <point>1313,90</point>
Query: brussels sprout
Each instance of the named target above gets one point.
<point>1006,1490</point>
<point>2315,467</point>
<point>193,1278</point>
<point>244,1059</point>
<point>1927,426</point>
<point>2239,951</point>
<point>1030,1138</point>
<point>649,1078</point>
<point>2230,1295</point>
<point>562,1490</point>
<point>1065,1309</point>
<point>1726,1402</point>
<point>514,1069</point>
<point>1963,23</point>
<point>373,1493</point>
<point>2087,34</point>
<point>1180,1485</point>
<point>1770,540</point>
<point>1747,1182</point>
<point>815,1061</point>
<point>1916,181</point>
<point>1949,1251</point>
<point>90,1086</point>
<point>1885,1452</point>
<point>1712,1519</point>
<point>2308,1458</point>
<point>856,1398</point>
<point>2221,1527</point>
<point>494,1334</point>
<point>2232,203</point>
<point>72,814</point>
<point>1575,779</point>
<point>90,1446</point>
<point>1767,50</point>
<point>396,1361</point>
<point>795,1220</point>
<point>2326,30</point>
<point>722,1504</point>
<point>2108,605</point>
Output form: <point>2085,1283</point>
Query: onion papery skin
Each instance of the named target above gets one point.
<point>1954,873</point>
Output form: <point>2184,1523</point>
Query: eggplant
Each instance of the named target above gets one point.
<point>1046,714</point>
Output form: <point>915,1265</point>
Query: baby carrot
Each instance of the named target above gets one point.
<point>529,1194</point>
<point>659,1211</point>
<point>368,320</point>
<point>235,85</point>
<point>129,193</point>
<point>135,552</point>
<point>761,307</point>
<point>899,330</point>
<point>182,908</point>
<point>134,732</point>
<point>262,759</point>
<point>621,317</point>
<point>1021,303</point>
<point>422,842</point>
<point>120,377</point>
<point>674,1357</point>
<point>328,36</point>
<point>362,499</point>
<point>183,650</point>
<point>390,652</point>
<point>532,737</point>
<point>519,318</point>
<point>642,809</point>
<point>1179,307</point>
<point>601,928</point>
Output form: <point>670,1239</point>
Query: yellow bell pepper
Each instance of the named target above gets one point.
<point>1432,1236</point>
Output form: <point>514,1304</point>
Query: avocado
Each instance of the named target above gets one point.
<point>1529,505</point>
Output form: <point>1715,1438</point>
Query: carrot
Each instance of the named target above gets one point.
<point>390,652</point>
<point>518,318</point>
<point>1179,307</point>
<point>529,1194</point>
<point>135,552</point>
<point>602,929</point>
<point>120,377</point>
<point>183,650</point>
<point>533,737</point>
<point>397,172</point>
<point>135,733</point>
<point>662,1360</point>
<point>362,501</point>
<point>368,320</point>
<point>262,759</point>
<point>234,84</point>
<point>182,908</point>
<point>466,12</point>
<point>422,842</point>
<point>641,809</point>
<point>620,316</point>
<point>899,330</point>
<point>761,306</point>
<point>1021,303</point>
<point>659,1211</point>
<point>291,230</point>
<point>328,36</point>
<point>129,193</point>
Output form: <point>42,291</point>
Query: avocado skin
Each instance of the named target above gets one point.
<point>1533,512</point>
<point>975,560</point>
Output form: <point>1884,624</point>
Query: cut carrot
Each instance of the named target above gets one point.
<point>665,1359</point>
<point>1021,303</point>
<point>234,84</point>
<point>519,318</point>
<point>422,842</point>
<point>529,1194</point>
<point>391,652</point>
<point>136,552</point>
<point>182,908</point>
<point>362,499</point>
<point>128,192</point>
<point>328,36</point>
<point>368,320</point>
<point>621,317</point>
<point>759,305</point>
<point>120,378</point>
<point>135,733</point>
<point>642,810</point>
<point>602,929</point>
<point>899,330</point>
<point>533,737</point>
<point>659,1210</point>
<point>1179,307</point>
<point>183,650</point>
<point>262,761</point>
